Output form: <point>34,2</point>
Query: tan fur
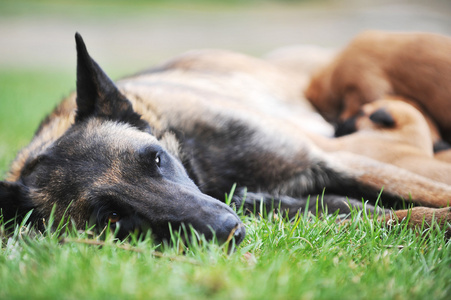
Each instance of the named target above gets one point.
<point>375,63</point>
<point>422,217</point>
<point>443,156</point>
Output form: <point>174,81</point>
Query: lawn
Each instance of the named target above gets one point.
<point>308,258</point>
<point>26,96</point>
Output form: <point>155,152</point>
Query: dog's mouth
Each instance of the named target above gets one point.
<point>237,235</point>
<point>226,235</point>
<point>230,233</point>
<point>234,238</point>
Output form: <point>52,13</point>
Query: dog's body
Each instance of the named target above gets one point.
<point>413,65</point>
<point>226,117</point>
<point>393,131</point>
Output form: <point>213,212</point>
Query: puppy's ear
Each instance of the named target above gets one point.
<point>14,200</point>
<point>383,117</point>
<point>97,95</point>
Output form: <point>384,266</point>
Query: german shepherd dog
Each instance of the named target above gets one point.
<point>162,146</point>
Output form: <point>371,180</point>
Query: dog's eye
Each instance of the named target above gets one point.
<point>157,160</point>
<point>114,217</point>
<point>151,156</point>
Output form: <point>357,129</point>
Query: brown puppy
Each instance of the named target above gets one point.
<point>413,65</point>
<point>392,131</point>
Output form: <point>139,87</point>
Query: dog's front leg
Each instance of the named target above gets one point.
<point>260,202</point>
<point>253,202</point>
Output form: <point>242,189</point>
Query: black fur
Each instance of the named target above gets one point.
<point>383,118</point>
<point>347,126</point>
<point>441,146</point>
<point>15,200</point>
<point>316,204</point>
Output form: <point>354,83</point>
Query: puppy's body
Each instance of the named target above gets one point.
<point>414,65</point>
<point>226,117</point>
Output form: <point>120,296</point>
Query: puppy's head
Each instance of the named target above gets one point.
<point>393,117</point>
<point>373,116</point>
<point>390,113</point>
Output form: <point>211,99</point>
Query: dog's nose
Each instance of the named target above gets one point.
<point>231,228</point>
<point>239,233</point>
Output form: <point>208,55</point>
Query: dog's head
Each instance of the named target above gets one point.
<point>109,168</point>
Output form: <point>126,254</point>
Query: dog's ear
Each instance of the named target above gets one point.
<point>382,117</point>
<point>97,95</point>
<point>14,200</point>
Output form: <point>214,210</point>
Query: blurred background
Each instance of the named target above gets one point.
<point>37,52</point>
<point>132,34</point>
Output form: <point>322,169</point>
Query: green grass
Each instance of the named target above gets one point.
<point>26,96</point>
<point>308,258</point>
